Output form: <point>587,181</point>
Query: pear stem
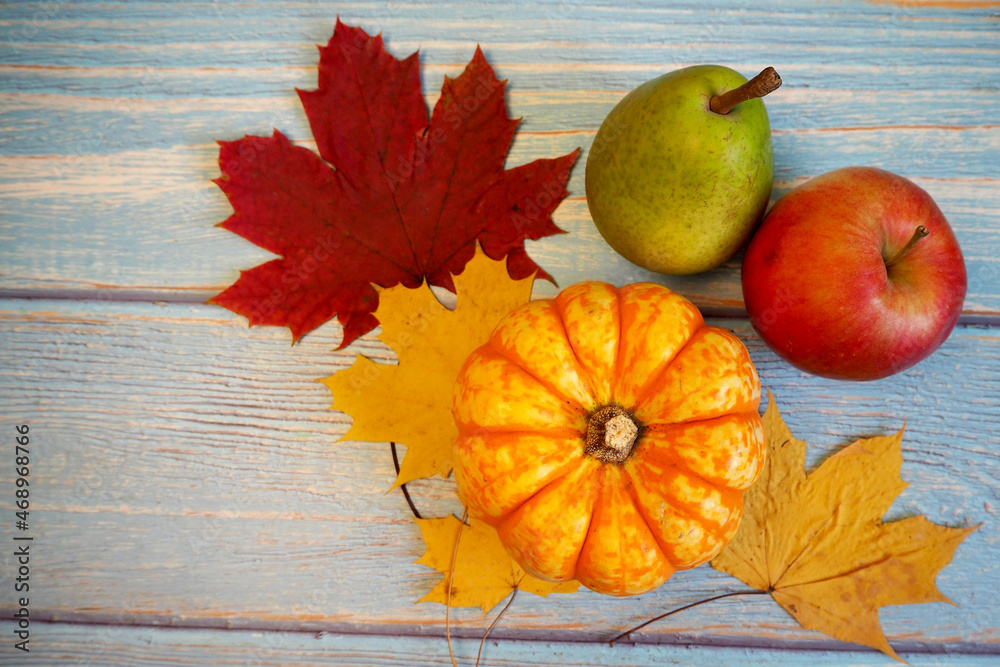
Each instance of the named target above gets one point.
<point>766,82</point>
<point>918,233</point>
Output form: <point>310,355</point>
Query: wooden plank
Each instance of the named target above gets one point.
<point>273,74</point>
<point>71,644</point>
<point>265,75</point>
<point>188,474</point>
<point>163,160</point>
<point>862,130</point>
<point>166,110</point>
<point>567,67</point>
<point>145,221</point>
<point>849,31</point>
<point>132,139</point>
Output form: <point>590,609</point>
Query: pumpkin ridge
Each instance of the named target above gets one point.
<point>489,379</point>
<point>691,511</point>
<point>590,522</point>
<point>597,501</point>
<point>582,480</point>
<point>555,476</point>
<point>653,425</point>
<point>554,431</point>
<point>552,389</point>
<point>722,534</point>
<point>645,390</point>
<point>555,479</point>
<point>739,407</point>
<point>686,510</point>
<point>584,373</point>
<point>731,498</point>
<point>629,490</point>
<point>713,528</point>
<point>697,420</point>
<point>618,345</point>
<point>641,511</point>
<point>594,374</point>
<point>679,462</point>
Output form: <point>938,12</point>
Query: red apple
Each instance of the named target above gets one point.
<point>854,275</point>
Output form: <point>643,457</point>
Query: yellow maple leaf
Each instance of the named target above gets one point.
<point>410,402</point>
<point>484,574</point>
<point>818,544</point>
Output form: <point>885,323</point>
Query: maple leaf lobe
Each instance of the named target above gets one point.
<point>483,574</point>
<point>274,185</point>
<point>410,402</point>
<point>817,542</point>
<point>393,197</point>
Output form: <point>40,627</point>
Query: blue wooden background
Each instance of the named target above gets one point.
<point>190,502</point>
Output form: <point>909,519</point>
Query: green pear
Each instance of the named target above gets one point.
<point>674,186</point>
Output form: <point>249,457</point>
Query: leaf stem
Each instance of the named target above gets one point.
<point>680,609</point>
<point>489,629</point>
<point>406,494</point>
<point>451,580</point>
<point>766,82</point>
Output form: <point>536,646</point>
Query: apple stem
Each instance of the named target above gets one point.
<point>918,233</point>
<point>766,82</point>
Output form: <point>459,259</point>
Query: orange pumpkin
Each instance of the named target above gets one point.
<point>608,435</point>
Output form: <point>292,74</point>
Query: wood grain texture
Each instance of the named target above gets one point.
<point>183,455</point>
<point>109,118</point>
<point>187,471</point>
<point>65,228</point>
<point>67,644</point>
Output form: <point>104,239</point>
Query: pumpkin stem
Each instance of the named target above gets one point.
<point>611,434</point>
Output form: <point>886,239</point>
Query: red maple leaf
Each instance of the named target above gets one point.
<point>392,197</point>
